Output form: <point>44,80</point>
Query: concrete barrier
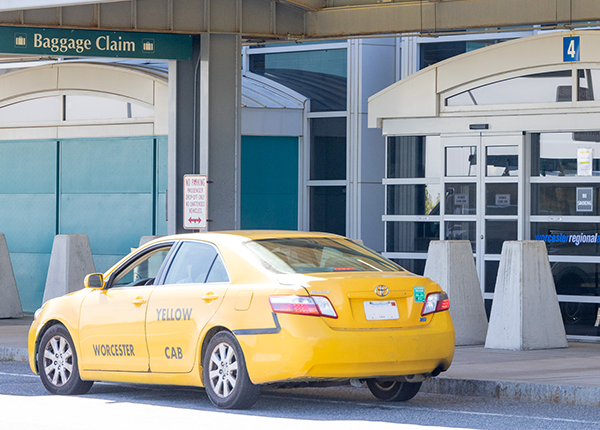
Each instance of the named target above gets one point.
<point>525,312</point>
<point>10,304</point>
<point>71,260</point>
<point>450,263</point>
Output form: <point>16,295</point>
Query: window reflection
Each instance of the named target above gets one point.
<point>413,157</point>
<point>36,110</point>
<point>562,199</point>
<point>319,75</point>
<point>328,209</point>
<point>92,107</point>
<point>413,199</point>
<point>328,148</point>
<point>568,238</point>
<point>502,161</point>
<point>496,233</point>
<point>461,230</point>
<point>411,236</point>
<point>461,199</point>
<point>491,273</point>
<point>555,154</point>
<point>415,266</point>
<point>547,87</point>
<point>461,161</point>
<point>432,53</point>
<point>587,78</point>
<point>501,199</point>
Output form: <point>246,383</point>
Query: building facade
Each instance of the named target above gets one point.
<point>499,144</point>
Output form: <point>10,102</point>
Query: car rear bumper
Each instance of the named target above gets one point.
<point>307,349</point>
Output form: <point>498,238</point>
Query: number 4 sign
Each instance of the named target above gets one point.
<point>571,49</point>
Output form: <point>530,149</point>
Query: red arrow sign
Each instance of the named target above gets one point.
<point>196,220</point>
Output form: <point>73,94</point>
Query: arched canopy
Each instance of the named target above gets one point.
<point>79,99</point>
<point>523,79</point>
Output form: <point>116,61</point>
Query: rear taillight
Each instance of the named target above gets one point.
<point>436,302</point>
<point>314,305</point>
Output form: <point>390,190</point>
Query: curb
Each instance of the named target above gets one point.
<point>523,391</point>
<point>13,354</point>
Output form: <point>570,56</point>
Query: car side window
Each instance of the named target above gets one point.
<point>196,263</point>
<point>143,270</point>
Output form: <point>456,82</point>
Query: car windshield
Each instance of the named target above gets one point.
<point>309,255</point>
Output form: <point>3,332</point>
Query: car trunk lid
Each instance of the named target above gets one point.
<point>369,300</point>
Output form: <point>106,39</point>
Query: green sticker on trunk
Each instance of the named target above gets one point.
<point>419,294</point>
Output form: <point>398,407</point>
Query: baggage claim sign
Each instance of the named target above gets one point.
<point>94,43</point>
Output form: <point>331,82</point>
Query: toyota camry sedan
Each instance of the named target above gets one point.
<point>235,311</point>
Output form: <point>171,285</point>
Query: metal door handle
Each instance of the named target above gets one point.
<point>210,296</point>
<point>139,301</point>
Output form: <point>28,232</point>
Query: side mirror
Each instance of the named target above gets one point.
<point>94,280</point>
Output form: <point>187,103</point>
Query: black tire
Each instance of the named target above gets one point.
<point>226,379</point>
<point>393,391</point>
<point>57,363</point>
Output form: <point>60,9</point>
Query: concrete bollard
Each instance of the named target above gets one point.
<point>525,312</point>
<point>450,263</point>
<point>71,260</point>
<point>10,304</point>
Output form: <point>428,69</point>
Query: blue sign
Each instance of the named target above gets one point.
<point>570,49</point>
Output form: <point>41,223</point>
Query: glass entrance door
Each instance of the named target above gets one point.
<point>565,213</point>
<point>483,197</point>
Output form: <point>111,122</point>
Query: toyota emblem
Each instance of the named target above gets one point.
<point>382,290</point>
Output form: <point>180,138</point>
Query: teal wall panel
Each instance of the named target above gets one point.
<point>107,165</point>
<point>161,215</point>
<point>113,190</point>
<point>267,211</point>
<point>105,262</point>
<point>28,221</point>
<point>30,273</point>
<point>113,222</point>
<point>162,164</point>
<point>27,167</point>
<point>269,188</point>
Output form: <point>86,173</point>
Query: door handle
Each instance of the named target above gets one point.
<point>209,297</point>
<point>139,301</point>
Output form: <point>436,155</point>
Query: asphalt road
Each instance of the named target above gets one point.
<point>25,404</point>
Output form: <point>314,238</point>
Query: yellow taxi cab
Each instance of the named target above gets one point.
<point>232,311</point>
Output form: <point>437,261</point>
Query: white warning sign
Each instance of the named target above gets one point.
<point>195,198</point>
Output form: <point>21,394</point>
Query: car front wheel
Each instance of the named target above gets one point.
<point>393,391</point>
<point>57,363</point>
<point>225,375</point>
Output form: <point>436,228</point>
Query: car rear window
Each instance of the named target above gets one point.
<point>310,255</point>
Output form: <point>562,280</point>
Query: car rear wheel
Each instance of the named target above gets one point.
<point>393,391</point>
<point>57,363</point>
<point>225,375</point>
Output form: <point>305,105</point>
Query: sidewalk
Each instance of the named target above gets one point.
<point>569,376</point>
<point>13,338</point>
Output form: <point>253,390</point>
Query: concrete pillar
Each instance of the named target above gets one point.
<point>525,313</point>
<point>71,260</point>
<point>10,302</point>
<point>450,263</point>
<point>205,129</point>
<point>183,132</point>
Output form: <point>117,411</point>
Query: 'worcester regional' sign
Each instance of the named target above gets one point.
<point>94,43</point>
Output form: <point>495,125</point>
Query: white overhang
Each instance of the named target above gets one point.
<point>419,96</point>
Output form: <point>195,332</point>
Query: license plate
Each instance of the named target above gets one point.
<point>381,310</point>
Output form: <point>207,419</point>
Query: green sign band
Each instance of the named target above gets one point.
<point>94,43</point>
